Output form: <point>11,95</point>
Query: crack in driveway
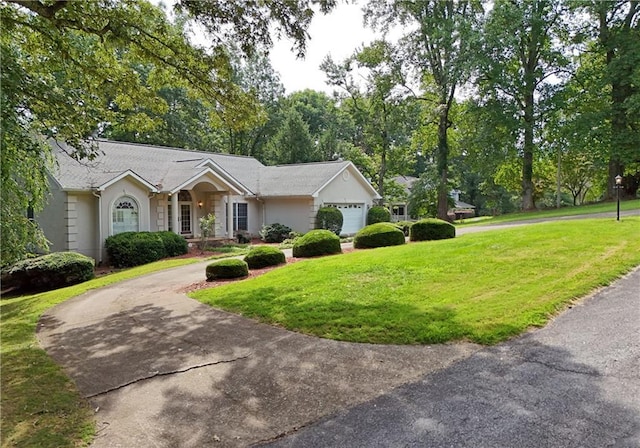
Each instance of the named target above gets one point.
<point>167,373</point>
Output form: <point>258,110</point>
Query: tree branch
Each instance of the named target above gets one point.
<point>42,10</point>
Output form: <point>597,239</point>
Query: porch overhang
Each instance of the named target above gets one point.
<point>209,175</point>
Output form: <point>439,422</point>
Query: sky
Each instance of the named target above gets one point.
<point>337,34</point>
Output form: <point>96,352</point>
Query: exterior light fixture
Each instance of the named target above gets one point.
<point>618,186</point>
<point>200,204</point>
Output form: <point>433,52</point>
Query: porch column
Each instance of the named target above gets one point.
<point>229,216</point>
<point>174,214</point>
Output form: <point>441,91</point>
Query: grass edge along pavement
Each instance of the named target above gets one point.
<point>40,404</point>
<point>484,287</point>
<point>589,209</point>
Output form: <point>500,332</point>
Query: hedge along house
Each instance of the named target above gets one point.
<point>134,187</point>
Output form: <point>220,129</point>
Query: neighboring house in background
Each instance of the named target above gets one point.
<point>400,210</point>
<point>461,210</point>
<point>134,187</point>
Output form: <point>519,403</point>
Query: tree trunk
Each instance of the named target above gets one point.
<point>527,159</point>
<point>618,130</point>
<point>383,163</point>
<point>443,164</point>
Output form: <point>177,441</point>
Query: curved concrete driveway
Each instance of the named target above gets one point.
<point>164,370</point>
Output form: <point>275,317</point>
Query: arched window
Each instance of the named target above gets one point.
<point>184,196</point>
<point>125,215</point>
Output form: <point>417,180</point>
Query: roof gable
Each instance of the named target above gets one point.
<point>124,175</point>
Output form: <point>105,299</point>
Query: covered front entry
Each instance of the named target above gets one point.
<point>352,217</point>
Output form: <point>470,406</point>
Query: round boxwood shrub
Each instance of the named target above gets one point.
<point>330,218</point>
<point>227,268</point>
<point>174,244</point>
<point>263,256</point>
<point>378,235</point>
<point>134,248</point>
<point>317,242</point>
<point>275,233</point>
<point>51,271</point>
<point>431,229</point>
<point>378,213</point>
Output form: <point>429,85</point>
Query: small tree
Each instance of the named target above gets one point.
<point>207,224</point>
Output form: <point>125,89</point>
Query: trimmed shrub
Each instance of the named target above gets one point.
<point>317,242</point>
<point>431,229</point>
<point>227,268</point>
<point>378,213</point>
<point>405,226</point>
<point>274,233</point>
<point>174,244</point>
<point>51,271</point>
<point>329,218</point>
<point>263,256</point>
<point>378,235</point>
<point>134,248</point>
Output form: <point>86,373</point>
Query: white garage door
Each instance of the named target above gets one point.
<point>352,217</point>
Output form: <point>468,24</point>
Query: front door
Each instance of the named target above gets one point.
<point>185,219</point>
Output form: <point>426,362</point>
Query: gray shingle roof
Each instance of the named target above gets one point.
<point>168,168</point>
<point>297,180</point>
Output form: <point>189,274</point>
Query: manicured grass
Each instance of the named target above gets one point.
<point>483,287</point>
<point>40,405</point>
<point>602,207</point>
<point>227,251</point>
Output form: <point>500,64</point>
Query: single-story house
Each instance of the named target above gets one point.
<point>461,210</point>
<point>135,187</point>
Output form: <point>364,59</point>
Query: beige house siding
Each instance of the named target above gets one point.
<point>52,219</point>
<point>125,187</point>
<point>295,213</point>
<point>158,218</point>
<point>256,216</point>
<point>345,188</point>
<point>83,218</point>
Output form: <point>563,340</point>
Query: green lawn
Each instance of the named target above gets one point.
<point>482,287</point>
<point>602,207</point>
<point>40,404</point>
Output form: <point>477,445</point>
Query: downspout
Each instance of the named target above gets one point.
<point>97,194</point>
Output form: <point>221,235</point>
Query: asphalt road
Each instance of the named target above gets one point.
<point>575,383</point>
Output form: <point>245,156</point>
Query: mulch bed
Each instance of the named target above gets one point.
<point>194,252</point>
<point>252,273</point>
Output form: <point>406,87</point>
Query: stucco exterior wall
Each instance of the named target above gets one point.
<point>256,216</point>
<point>299,214</point>
<point>52,219</point>
<point>158,219</point>
<point>83,219</point>
<point>344,189</point>
<point>131,188</point>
